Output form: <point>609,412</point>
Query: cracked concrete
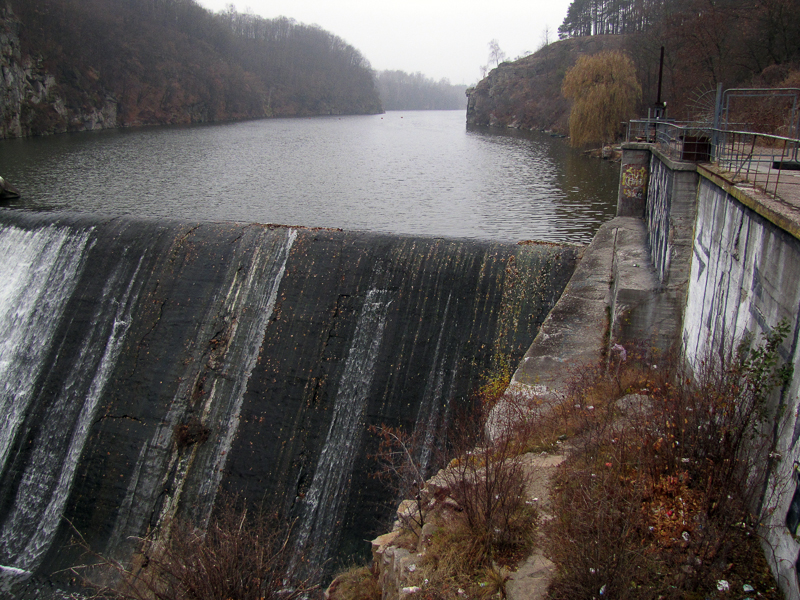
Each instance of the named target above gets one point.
<point>532,576</point>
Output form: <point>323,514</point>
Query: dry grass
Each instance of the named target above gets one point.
<point>355,583</point>
<point>238,556</point>
<point>455,565</point>
<point>660,496</point>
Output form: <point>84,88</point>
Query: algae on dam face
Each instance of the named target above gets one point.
<point>281,345</point>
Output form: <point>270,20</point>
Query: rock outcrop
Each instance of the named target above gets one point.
<point>31,101</point>
<point>526,94</point>
<point>68,65</point>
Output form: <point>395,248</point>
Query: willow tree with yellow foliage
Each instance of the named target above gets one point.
<point>605,92</point>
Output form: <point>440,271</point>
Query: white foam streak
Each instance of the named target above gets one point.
<point>252,343</point>
<point>38,273</point>
<point>330,485</point>
<point>43,491</point>
<point>428,415</point>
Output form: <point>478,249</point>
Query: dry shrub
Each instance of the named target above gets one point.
<point>489,487</point>
<point>488,479</point>
<point>239,556</point>
<point>661,492</point>
<point>595,540</point>
<point>588,410</point>
<point>356,583</point>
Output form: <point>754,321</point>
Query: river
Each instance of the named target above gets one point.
<point>406,172</point>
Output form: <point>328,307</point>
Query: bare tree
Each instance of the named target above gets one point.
<point>547,37</point>
<point>496,55</point>
<point>400,469</point>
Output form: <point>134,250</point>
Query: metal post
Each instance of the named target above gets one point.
<point>660,76</point>
<point>715,136</point>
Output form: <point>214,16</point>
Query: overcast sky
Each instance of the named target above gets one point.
<point>439,38</point>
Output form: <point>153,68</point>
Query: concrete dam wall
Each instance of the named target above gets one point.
<point>727,260</point>
<point>270,348</point>
<point>746,280</point>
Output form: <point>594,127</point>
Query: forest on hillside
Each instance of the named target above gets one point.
<point>733,42</point>
<point>414,91</point>
<point>172,61</point>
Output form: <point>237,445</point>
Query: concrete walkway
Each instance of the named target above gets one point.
<point>532,577</point>
<point>613,297</point>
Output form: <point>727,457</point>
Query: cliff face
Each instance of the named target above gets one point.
<point>73,65</point>
<point>32,102</point>
<point>526,94</point>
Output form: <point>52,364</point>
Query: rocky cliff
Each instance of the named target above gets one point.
<point>32,102</point>
<point>526,94</point>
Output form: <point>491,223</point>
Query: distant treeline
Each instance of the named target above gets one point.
<point>172,61</point>
<point>403,91</point>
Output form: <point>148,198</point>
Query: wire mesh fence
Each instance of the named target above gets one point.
<point>768,163</point>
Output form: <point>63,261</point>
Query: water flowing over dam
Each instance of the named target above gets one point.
<point>153,368</point>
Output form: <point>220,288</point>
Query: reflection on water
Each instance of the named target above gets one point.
<point>420,173</point>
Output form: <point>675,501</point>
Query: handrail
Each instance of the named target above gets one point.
<point>751,158</point>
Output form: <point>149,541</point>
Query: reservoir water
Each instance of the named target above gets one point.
<point>418,172</point>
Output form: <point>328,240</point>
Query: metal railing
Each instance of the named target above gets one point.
<point>768,163</point>
<point>682,141</point>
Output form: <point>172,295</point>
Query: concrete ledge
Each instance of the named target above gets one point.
<point>614,296</point>
<point>675,165</point>
<point>575,330</point>
<point>644,311</point>
<point>774,210</point>
<point>637,146</point>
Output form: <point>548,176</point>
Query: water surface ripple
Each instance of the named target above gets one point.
<point>419,173</point>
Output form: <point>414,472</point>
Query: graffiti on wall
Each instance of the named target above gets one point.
<point>634,181</point>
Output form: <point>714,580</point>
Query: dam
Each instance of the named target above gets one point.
<point>154,368</point>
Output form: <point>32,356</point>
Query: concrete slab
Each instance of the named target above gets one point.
<point>644,311</point>
<point>614,281</point>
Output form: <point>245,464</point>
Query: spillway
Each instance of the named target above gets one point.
<point>274,347</point>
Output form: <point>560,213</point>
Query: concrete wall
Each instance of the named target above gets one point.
<point>745,279</point>
<point>670,213</point>
<point>648,305</point>
<point>734,265</point>
<point>633,175</point>
<point>731,262</point>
